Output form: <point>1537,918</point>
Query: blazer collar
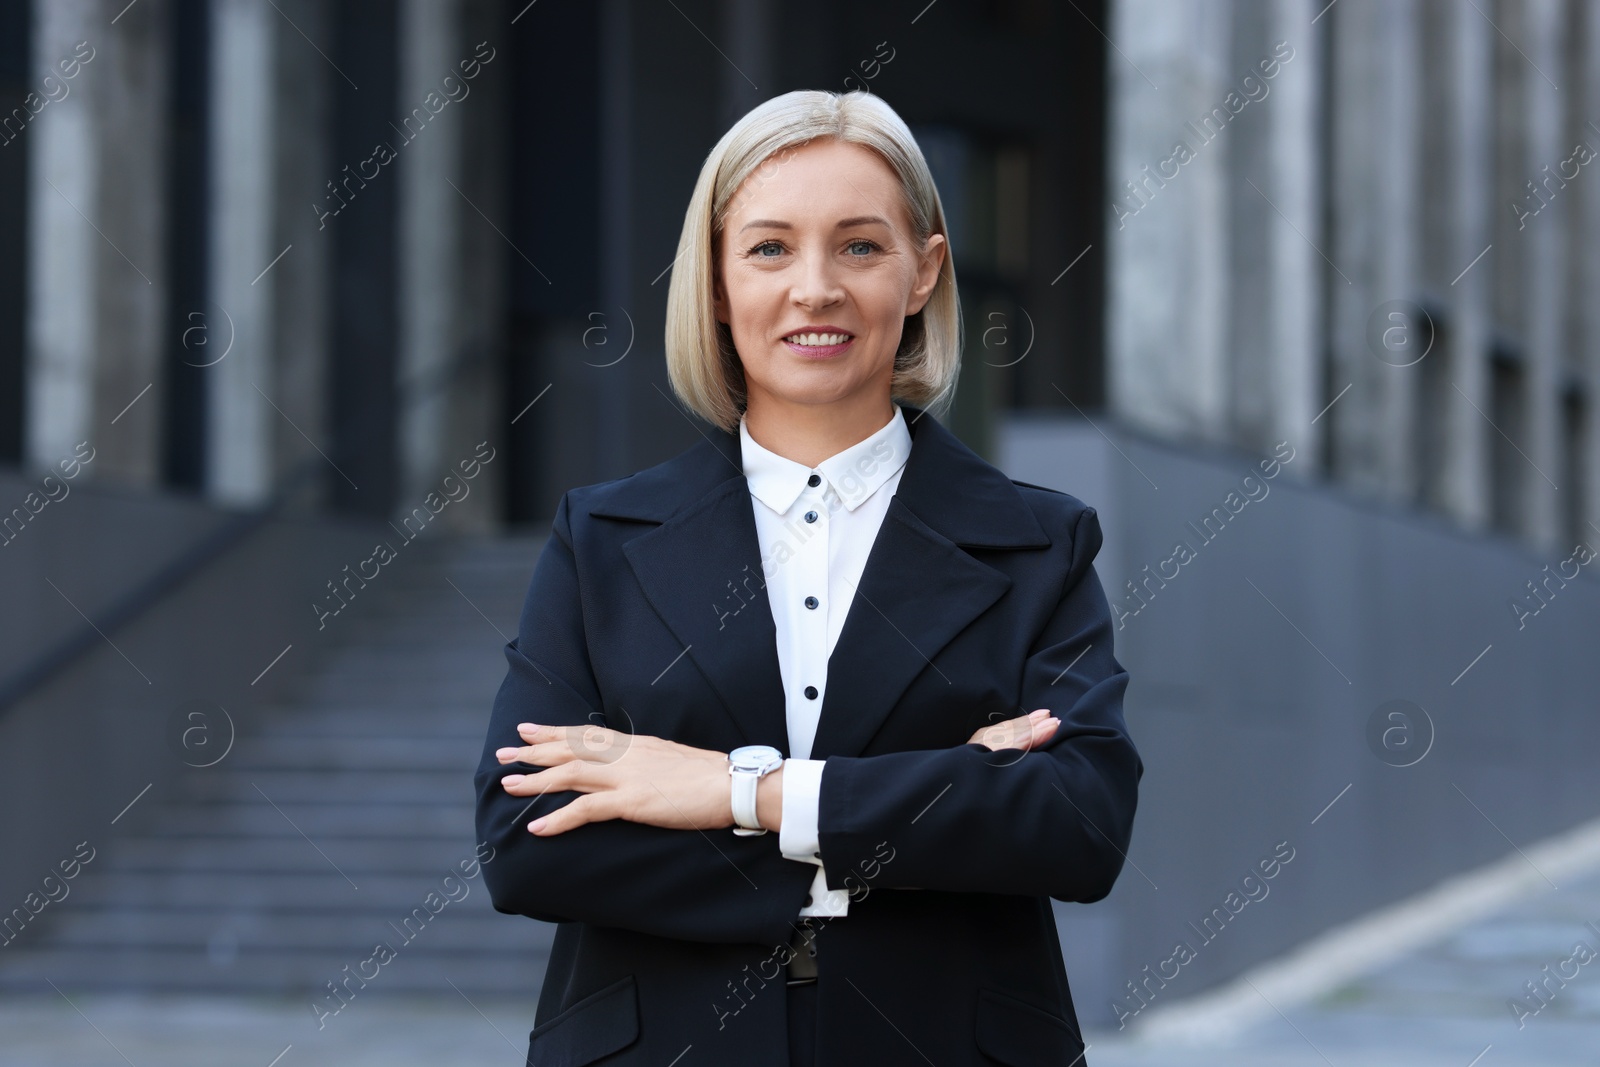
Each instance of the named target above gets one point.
<point>700,568</point>
<point>945,484</point>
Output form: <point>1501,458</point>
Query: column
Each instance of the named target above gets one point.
<point>1587,83</point>
<point>1543,271</point>
<point>1277,274</point>
<point>242,385</point>
<point>1167,234</point>
<point>300,284</point>
<point>96,242</point>
<point>450,261</point>
<point>1373,246</point>
<point>1468,52</point>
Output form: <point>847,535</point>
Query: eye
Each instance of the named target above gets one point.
<point>760,251</point>
<point>861,247</point>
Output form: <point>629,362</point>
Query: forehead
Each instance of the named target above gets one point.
<point>817,184</point>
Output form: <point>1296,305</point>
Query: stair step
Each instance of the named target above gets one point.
<point>289,854</point>
<point>86,969</point>
<point>466,924</point>
<point>367,762</point>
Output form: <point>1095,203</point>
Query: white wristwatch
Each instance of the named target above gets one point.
<point>746,765</point>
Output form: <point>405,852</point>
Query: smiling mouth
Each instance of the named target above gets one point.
<point>819,340</point>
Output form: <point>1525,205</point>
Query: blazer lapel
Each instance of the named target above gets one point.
<point>700,569</point>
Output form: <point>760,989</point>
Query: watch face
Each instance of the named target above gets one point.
<point>755,756</point>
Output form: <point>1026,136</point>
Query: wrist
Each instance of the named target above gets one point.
<point>769,800</point>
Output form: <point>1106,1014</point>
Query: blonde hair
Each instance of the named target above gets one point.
<point>702,363</point>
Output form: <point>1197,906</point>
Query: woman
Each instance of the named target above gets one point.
<point>828,619</point>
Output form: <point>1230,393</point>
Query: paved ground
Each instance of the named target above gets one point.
<point>1442,1006</point>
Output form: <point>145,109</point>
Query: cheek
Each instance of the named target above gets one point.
<point>748,298</point>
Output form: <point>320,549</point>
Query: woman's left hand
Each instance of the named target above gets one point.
<point>635,777</point>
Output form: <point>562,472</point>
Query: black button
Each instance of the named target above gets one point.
<point>811,692</point>
<point>809,901</point>
<point>811,516</point>
<point>812,601</point>
<point>815,479</point>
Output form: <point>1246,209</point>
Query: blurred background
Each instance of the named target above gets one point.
<point>310,311</point>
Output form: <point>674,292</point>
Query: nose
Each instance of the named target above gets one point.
<point>817,283</point>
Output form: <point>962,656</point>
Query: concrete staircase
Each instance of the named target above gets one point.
<point>329,822</point>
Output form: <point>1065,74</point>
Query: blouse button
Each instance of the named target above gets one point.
<point>811,516</point>
<point>811,692</point>
<point>812,601</point>
<point>815,479</point>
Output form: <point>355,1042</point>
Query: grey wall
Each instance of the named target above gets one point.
<point>1254,674</point>
<point>78,748</point>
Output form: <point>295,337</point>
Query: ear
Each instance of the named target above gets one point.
<point>929,265</point>
<point>719,300</point>
<point>719,295</point>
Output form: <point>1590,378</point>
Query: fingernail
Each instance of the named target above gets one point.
<point>513,779</point>
<point>536,825</point>
<point>525,726</point>
<point>1036,715</point>
<point>504,752</point>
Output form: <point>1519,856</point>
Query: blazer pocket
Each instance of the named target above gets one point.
<point>1020,1035</point>
<point>598,1025</point>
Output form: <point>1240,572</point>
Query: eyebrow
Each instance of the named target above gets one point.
<point>779,224</point>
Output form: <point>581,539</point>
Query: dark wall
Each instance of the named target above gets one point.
<point>614,109</point>
<point>16,76</point>
<point>1261,682</point>
<point>362,397</point>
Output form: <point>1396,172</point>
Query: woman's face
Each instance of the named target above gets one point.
<point>817,271</point>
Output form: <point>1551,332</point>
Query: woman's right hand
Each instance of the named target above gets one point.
<point>1024,731</point>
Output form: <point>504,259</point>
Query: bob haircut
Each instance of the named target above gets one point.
<point>702,363</point>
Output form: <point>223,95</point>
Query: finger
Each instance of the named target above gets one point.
<point>586,809</point>
<point>998,733</point>
<point>572,776</point>
<point>1042,732</point>
<point>1013,733</point>
<point>588,740</point>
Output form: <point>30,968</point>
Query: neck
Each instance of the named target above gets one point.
<point>810,433</point>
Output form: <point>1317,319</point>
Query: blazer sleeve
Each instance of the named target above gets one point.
<point>1054,821</point>
<point>712,886</point>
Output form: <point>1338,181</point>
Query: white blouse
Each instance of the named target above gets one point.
<point>815,539</point>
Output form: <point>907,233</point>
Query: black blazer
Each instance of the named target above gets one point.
<point>648,613</point>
